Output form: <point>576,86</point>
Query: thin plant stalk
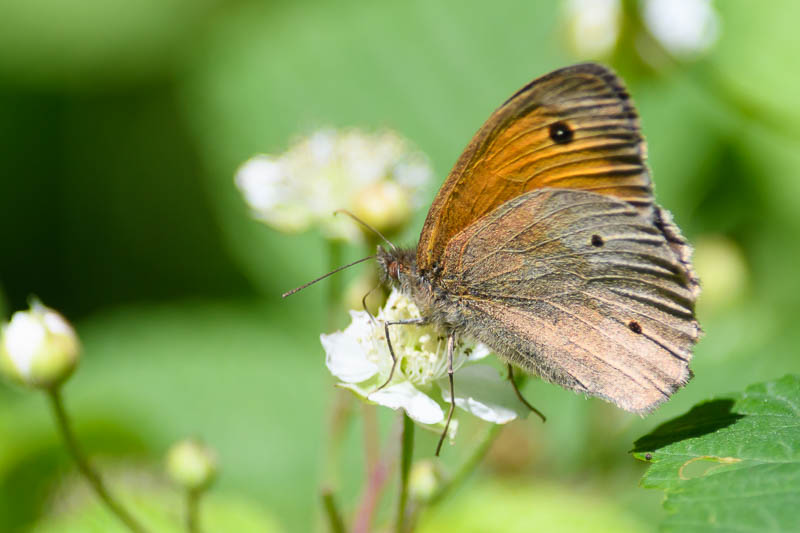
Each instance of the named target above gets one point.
<point>406,454</point>
<point>341,411</point>
<point>91,476</point>
<point>378,475</point>
<point>469,465</point>
<point>334,517</point>
<point>378,470</point>
<point>192,507</point>
<point>334,293</point>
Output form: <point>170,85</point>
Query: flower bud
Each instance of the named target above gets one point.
<point>384,205</point>
<point>686,28</point>
<point>593,26</point>
<point>38,348</point>
<point>722,268</point>
<point>356,289</point>
<point>191,464</point>
<point>424,480</point>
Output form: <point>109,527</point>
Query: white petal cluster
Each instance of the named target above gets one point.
<point>359,357</point>
<point>684,27</point>
<point>379,177</point>
<point>38,347</point>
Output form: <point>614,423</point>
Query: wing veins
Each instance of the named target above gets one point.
<point>610,144</point>
<point>523,230</point>
<point>631,310</point>
<point>604,361</point>
<point>658,304</point>
<point>575,232</point>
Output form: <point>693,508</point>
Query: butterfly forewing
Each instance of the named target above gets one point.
<point>581,289</point>
<point>574,128</point>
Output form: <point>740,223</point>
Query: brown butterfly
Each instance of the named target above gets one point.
<point>545,244</point>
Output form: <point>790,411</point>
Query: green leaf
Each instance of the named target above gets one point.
<point>730,464</point>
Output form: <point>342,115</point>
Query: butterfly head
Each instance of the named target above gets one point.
<point>397,266</point>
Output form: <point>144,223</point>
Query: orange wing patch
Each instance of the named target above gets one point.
<point>574,128</point>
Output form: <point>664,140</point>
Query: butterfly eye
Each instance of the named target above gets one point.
<point>393,269</point>
<point>560,133</point>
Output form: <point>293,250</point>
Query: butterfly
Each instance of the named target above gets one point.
<point>545,243</point>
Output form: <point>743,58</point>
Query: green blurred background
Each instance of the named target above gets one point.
<point>121,127</point>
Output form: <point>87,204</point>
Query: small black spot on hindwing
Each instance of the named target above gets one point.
<point>597,241</point>
<point>635,326</point>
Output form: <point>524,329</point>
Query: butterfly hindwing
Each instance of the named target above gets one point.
<point>581,289</point>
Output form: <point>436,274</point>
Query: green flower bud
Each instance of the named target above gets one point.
<point>191,464</point>
<point>722,268</point>
<point>424,480</point>
<point>38,348</point>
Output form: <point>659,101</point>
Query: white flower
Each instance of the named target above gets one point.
<point>38,347</point>
<point>593,26</point>
<point>684,27</point>
<point>377,176</point>
<point>359,357</point>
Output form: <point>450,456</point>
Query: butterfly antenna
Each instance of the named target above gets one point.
<point>301,287</point>
<point>375,231</point>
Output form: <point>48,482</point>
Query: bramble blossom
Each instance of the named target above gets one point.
<point>359,357</point>
<point>378,176</point>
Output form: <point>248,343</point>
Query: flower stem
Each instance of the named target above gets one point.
<point>341,409</point>
<point>92,477</point>
<point>378,475</point>
<point>335,521</point>
<point>406,454</point>
<point>334,295</point>
<point>469,465</point>
<point>192,506</point>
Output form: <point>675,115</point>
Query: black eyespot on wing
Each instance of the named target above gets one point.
<point>560,132</point>
<point>597,240</point>
<point>635,326</point>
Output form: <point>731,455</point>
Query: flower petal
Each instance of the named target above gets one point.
<point>478,352</point>
<point>482,392</point>
<point>24,338</point>
<point>419,406</point>
<point>346,358</point>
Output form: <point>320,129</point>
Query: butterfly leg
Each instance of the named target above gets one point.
<point>416,321</point>
<point>519,395</point>
<point>451,343</point>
